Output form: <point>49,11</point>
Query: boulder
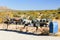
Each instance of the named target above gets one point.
<point>45,30</point>
<point>31,29</point>
<point>38,31</point>
<point>3,26</point>
<point>12,27</point>
<point>20,27</point>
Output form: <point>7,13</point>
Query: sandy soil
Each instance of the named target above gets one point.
<point>4,35</point>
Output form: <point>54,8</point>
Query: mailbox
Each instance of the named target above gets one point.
<point>53,27</point>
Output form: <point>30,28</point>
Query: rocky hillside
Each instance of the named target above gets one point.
<point>29,14</point>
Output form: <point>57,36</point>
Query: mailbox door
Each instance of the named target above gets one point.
<point>55,27</point>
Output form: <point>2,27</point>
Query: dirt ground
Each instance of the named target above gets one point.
<point>5,35</point>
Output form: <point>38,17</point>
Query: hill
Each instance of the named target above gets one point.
<point>6,12</point>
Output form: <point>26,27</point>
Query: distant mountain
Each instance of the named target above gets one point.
<point>3,8</point>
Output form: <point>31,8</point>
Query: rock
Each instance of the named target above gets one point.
<point>20,27</point>
<point>57,34</point>
<point>38,31</point>
<point>24,30</point>
<point>12,27</point>
<point>3,26</point>
<point>45,30</point>
<point>31,29</point>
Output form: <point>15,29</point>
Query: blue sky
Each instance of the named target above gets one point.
<point>31,4</point>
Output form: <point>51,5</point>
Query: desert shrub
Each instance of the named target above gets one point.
<point>56,17</point>
<point>58,12</point>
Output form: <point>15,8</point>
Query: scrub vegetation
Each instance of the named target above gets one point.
<point>29,14</point>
